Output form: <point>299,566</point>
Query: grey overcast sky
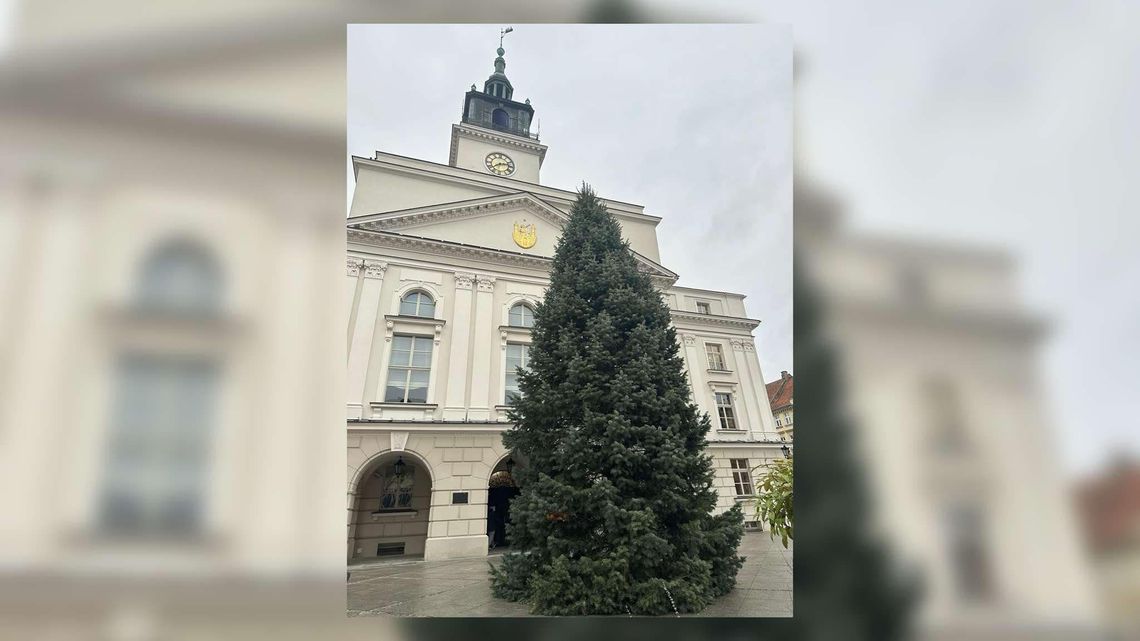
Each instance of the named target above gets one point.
<point>693,122</point>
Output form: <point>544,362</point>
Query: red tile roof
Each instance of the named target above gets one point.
<point>780,392</point>
<point>1109,506</point>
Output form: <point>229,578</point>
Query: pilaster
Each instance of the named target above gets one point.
<point>766,424</point>
<point>750,389</point>
<point>455,403</point>
<point>361,342</point>
<point>480,406</point>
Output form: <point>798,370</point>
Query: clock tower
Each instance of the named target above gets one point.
<point>494,134</point>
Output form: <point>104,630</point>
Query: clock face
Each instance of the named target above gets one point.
<point>500,163</point>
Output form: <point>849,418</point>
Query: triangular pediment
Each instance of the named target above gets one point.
<point>518,222</point>
<point>506,223</point>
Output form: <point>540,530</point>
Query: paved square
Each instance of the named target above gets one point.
<point>462,588</point>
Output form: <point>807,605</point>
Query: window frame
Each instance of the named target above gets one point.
<point>140,444</point>
<point>723,366</point>
<point>419,304</point>
<point>524,360</point>
<point>409,368</point>
<point>726,413</point>
<point>510,314</point>
<point>741,477</point>
<point>704,307</point>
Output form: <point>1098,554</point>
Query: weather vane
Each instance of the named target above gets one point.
<point>503,32</point>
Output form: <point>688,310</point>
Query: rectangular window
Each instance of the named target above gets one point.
<point>778,423</point>
<point>459,498</point>
<point>725,411</point>
<point>969,552</point>
<point>409,369</point>
<point>741,476</point>
<point>157,465</point>
<point>518,355</point>
<point>703,308</point>
<point>716,356</point>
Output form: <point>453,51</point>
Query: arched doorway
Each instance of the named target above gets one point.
<point>391,508</point>
<point>501,488</point>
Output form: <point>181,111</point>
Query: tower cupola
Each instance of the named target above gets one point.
<point>494,107</point>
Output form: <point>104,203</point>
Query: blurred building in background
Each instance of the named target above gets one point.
<point>781,394</point>
<point>940,369</point>
<point>172,216</point>
<point>1109,505</point>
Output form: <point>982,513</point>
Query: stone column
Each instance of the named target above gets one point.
<point>455,399</point>
<point>480,406</point>
<point>360,344</point>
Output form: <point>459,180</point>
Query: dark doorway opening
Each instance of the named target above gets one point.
<point>499,514</point>
<point>501,489</point>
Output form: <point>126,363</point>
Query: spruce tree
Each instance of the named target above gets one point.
<point>614,514</point>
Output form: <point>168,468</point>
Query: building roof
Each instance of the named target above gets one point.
<point>780,391</point>
<point>1109,505</point>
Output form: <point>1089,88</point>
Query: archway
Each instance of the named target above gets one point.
<point>501,488</point>
<point>391,508</point>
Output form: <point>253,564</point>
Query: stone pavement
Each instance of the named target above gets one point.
<point>462,587</point>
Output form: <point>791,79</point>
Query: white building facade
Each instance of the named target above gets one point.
<point>445,264</point>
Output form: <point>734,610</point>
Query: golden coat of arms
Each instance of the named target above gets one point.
<point>525,235</point>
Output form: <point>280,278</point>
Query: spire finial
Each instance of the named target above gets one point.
<point>503,32</point>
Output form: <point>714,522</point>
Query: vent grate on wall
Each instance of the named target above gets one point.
<point>390,549</point>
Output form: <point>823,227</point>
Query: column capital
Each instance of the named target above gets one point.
<point>485,283</point>
<point>354,265</point>
<point>374,268</point>
<point>463,280</point>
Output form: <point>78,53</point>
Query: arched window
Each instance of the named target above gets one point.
<point>417,303</point>
<point>180,277</point>
<point>521,316</point>
<point>499,118</point>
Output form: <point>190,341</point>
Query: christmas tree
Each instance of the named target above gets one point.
<point>614,514</point>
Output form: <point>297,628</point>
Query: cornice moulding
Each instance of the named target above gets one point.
<point>384,238</point>
<point>713,320</point>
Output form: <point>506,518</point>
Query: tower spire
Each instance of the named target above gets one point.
<point>497,84</point>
